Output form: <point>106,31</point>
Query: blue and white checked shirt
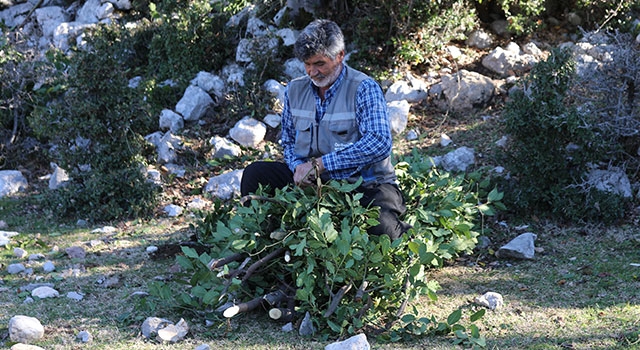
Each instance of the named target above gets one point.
<point>373,122</point>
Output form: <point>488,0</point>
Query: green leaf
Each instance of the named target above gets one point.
<point>190,252</point>
<point>477,315</point>
<point>334,327</point>
<point>454,317</point>
<point>239,244</point>
<point>486,210</point>
<point>495,196</point>
<point>408,318</point>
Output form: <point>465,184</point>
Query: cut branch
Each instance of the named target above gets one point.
<point>335,299</point>
<point>261,262</point>
<point>281,314</point>
<point>223,261</point>
<point>243,307</point>
<point>251,197</point>
<point>360,292</point>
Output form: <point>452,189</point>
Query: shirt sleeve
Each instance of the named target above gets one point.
<point>375,144</point>
<point>288,137</point>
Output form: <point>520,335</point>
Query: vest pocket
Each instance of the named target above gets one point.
<point>304,135</point>
<point>343,134</point>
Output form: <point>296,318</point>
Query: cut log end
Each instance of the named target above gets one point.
<point>275,314</point>
<point>232,311</point>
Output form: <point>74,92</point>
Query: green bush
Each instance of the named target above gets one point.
<point>312,245</point>
<point>96,122</point>
<point>552,143</point>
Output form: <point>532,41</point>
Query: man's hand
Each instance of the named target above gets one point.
<point>307,173</point>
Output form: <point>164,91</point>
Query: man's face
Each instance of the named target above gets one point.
<point>322,70</point>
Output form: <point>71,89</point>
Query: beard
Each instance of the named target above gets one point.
<point>323,81</point>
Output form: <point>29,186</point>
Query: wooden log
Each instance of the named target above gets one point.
<point>243,307</point>
<point>281,314</point>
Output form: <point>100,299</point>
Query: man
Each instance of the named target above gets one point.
<point>335,124</point>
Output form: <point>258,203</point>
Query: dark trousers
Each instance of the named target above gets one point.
<point>386,196</point>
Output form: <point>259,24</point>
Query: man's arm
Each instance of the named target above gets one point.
<point>373,122</point>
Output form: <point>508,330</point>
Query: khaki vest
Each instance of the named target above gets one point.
<point>337,129</point>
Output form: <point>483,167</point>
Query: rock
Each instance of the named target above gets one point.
<point>20,253</point>
<point>14,269</point>
<point>613,180</point>
<point>225,186</point>
<point>210,83</point>
<point>357,342</point>
<point>48,266</point>
<point>5,237</point>
<point>306,326</point>
<point>76,252</point>
<point>152,325</point>
<point>248,132</point>
<point>457,160</point>
<point>445,140</point>
<point>20,346</point>
<point>151,249</point>
<point>173,210</point>
<point>11,181</point>
<point>479,39</point>
<point>45,292</point>
<point>521,247</point>
<point>467,90</point>
<point>75,296</point>
<point>84,336</point>
<point>170,120</point>
<point>490,300</point>
<point>194,104</point>
<point>173,333</point>
<point>203,347</point>
<point>59,178</point>
<point>223,147</point>
<point>508,62</point>
<point>25,329</point>
<point>398,115</point>
<point>105,229</point>
<point>403,90</point>
<point>198,204</point>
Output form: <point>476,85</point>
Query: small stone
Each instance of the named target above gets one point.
<point>28,300</point>
<point>76,252</point>
<point>20,253</point>
<point>174,333</point>
<point>357,342</point>
<point>84,336</point>
<point>15,269</point>
<point>203,347</point>
<point>490,300</point>
<point>306,326</point>
<point>37,256</point>
<point>151,249</point>
<point>75,296</point>
<point>287,327</point>
<point>152,325</point>
<point>44,292</point>
<point>48,266</point>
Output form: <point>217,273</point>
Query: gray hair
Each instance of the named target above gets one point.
<point>321,36</point>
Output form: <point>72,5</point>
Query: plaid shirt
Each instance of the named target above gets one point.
<point>373,123</point>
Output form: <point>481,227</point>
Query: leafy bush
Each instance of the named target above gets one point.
<point>552,144</point>
<point>312,246</point>
<point>96,123</point>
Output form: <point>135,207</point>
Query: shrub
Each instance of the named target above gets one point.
<point>96,123</point>
<point>552,144</point>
